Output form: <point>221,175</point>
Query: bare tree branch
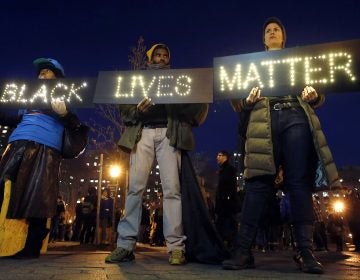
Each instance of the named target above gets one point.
<point>137,58</point>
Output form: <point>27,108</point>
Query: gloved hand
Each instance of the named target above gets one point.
<point>59,107</point>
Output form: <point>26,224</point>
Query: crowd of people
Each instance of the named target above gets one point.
<point>280,135</point>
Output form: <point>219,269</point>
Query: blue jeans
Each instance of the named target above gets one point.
<point>293,149</point>
<point>153,143</point>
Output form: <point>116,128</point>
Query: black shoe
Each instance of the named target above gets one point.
<point>307,262</point>
<point>25,255</point>
<point>240,260</point>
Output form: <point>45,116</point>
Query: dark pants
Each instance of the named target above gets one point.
<point>320,238</point>
<point>226,224</point>
<point>37,232</point>
<point>294,150</point>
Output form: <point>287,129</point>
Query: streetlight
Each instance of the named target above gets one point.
<point>339,206</point>
<point>115,172</point>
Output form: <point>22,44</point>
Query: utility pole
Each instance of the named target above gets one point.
<point>97,229</point>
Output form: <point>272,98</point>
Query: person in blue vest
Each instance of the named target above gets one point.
<point>31,163</point>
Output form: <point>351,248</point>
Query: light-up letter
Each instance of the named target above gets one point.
<point>118,93</point>
<point>345,67</point>
<point>73,91</point>
<point>253,77</point>
<point>141,84</point>
<point>41,93</point>
<point>162,86</point>
<point>309,70</point>
<point>292,61</point>
<point>59,95</point>
<point>183,82</point>
<point>13,93</point>
<point>236,79</point>
<point>270,64</point>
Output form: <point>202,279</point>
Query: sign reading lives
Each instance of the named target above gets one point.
<point>162,86</point>
<point>328,68</point>
<point>37,93</point>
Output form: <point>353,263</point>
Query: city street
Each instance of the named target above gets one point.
<point>70,261</point>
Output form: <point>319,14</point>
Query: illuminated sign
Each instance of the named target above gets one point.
<point>39,93</point>
<point>333,67</point>
<point>162,86</point>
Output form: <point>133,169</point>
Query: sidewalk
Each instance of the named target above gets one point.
<point>70,261</point>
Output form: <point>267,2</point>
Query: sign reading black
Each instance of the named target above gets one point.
<point>162,86</point>
<point>39,93</point>
<point>328,68</point>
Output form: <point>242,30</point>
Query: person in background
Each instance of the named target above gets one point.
<point>353,217</point>
<point>320,238</point>
<point>106,214</point>
<point>282,130</point>
<point>225,200</point>
<point>78,223</point>
<point>58,221</point>
<point>29,168</point>
<point>89,207</point>
<point>144,231</point>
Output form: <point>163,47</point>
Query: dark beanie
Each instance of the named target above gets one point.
<point>278,22</point>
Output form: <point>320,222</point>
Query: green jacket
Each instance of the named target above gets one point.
<point>259,158</point>
<point>181,119</point>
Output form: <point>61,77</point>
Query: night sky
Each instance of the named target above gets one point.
<point>91,36</point>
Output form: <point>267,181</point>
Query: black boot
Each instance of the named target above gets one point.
<point>242,257</point>
<point>239,260</point>
<point>36,234</point>
<point>303,242</point>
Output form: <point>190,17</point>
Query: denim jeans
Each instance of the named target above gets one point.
<point>293,149</point>
<point>153,143</point>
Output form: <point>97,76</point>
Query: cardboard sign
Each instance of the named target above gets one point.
<point>162,86</point>
<point>332,67</point>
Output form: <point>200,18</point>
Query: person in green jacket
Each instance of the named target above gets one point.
<point>284,131</point>
<point>160,131</point>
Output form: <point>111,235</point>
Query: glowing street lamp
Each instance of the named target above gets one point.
<point>339,206</point>
<point>115,171</point>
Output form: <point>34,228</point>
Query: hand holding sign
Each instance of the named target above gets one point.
<point>254,96</point>
<point>144,105</point>
<point>59,107</point>
<point>309,94</point>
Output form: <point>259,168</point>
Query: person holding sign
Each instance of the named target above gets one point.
<point>282,131</point>
<point>161,131</point>
<point>29,168</point>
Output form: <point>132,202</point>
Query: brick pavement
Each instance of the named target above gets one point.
<point>69,261</point>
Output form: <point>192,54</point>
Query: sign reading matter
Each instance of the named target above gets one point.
<point>328,68</point>
<point>162,86</point>
<point>39,93</point>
